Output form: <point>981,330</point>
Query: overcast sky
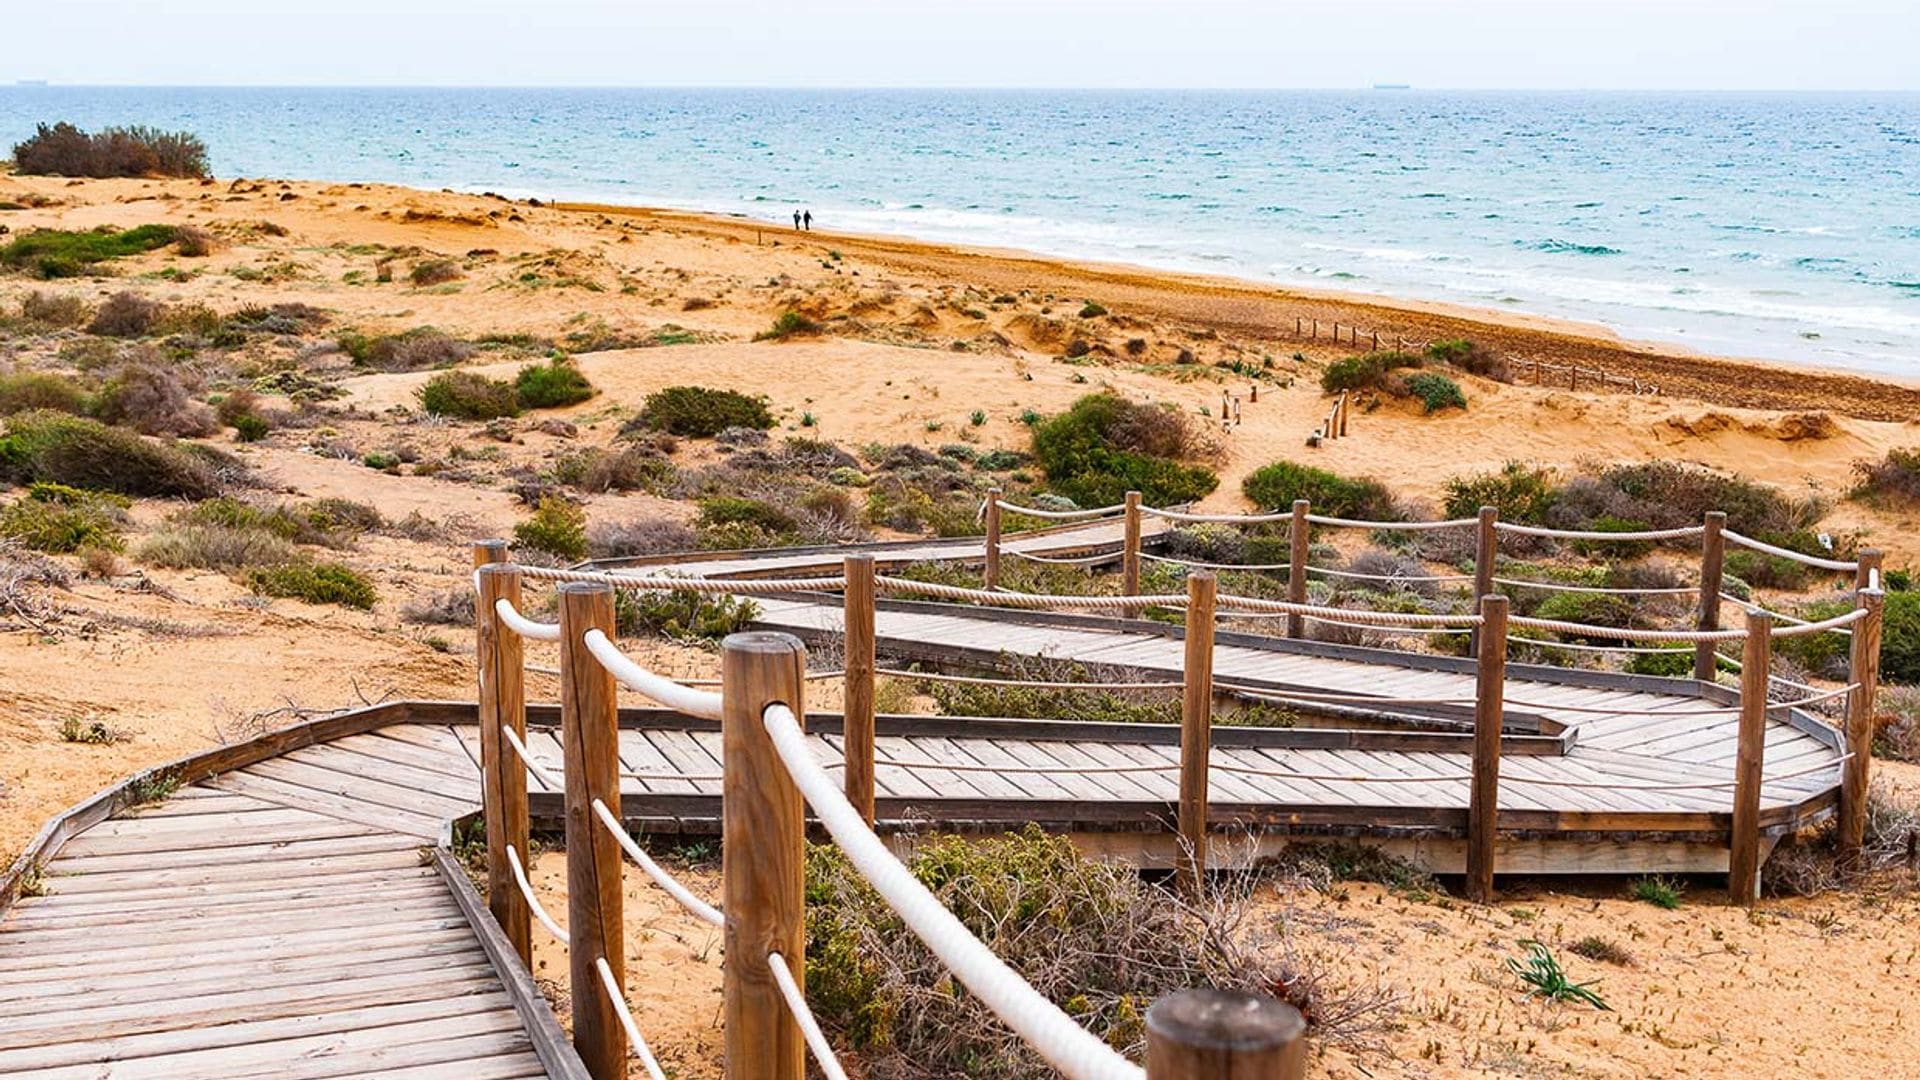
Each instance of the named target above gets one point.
<point>1628,44</point>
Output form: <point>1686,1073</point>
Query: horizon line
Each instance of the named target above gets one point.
<point>32,83</point>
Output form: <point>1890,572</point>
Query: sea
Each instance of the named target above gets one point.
<point>1782,226</point>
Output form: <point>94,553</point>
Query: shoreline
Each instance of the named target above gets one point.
<point>1247,306</point>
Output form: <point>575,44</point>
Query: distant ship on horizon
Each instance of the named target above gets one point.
<point>1392,86</point>
<point>29,82</point>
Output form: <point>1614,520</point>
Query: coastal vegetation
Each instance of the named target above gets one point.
<point>1276,486</point>
<point>1106,445</point>
<point>700,413</point>
<point>62,149</point>
<point>57,253</point>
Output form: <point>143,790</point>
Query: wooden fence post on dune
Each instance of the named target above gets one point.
<point>1863,670</point>
<point>1713,557</point>
<point>1346,405</point>
<point>856,733</point>
<point>1207,1034</point>
<point>1486,556</point>
<point>763,857</point>
<point>590,743</point>
<point>1868,564</point>
<point>1130,551</point>
<point>1489,701</point>
<point>1743,856</point>
<point>1196,727</point>
<point>500,657</point>
<point>1298,533</point>
<point>993,539</point>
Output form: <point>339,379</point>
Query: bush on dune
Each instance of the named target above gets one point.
<point>30,390</point>
<point>1104,446</point>
<point>152,400</point>
<point>1365,371</point>
<point>1894,479</point>
<point>60,520</point>
<point>1435,391</point>
<point>552,385</point>
<point>557,527</point>
<point>64,150</point>
<point>468,395</point>
<point>56,253</point>
<point>1470,357</point>
<point>417,349</point>
<point>315,583</point>
<point>1520,492</point>
<point>54,309</point>
<point>57,448</point>
<point>699,412</point>
<point>1276,486</point>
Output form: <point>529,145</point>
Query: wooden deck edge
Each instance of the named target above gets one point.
<point>190,769</point>
<point>550,1042</point>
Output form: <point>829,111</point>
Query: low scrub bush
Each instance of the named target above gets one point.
<point>194,242</point>
<point>56,253</point>
<point>126,315</point>
<point>630,468</point>
<point>789,324</point>
<point>1661,892</point>
<point>468,395</point>
<point>150,398</point>
<point>61,449</point>
<point>1104,446</point>
<point>64,150</point>
<point>1470,357</point>
<point>1671,494</point>
<point>552,385</point>
<point>1894,479</point>
<point>30,390</point>
<point>315,583</point>
<point>682,616</point>
<point>184,546</point>
<point>61,520</point>
<point>641,536</point>
<point>1435,391</point>
<point>1522,493</point>
<point>1365,371</point>
<point>435,272</point>
<point>55,309</point>
<point>700,412</point>
<point>451,608</point>
<point>1276,486</point>
<point>557,527</point>
<point>1896,732</point>
<point>418,349</point>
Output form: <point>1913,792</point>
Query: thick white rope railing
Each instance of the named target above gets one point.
<point>1381,618</point>
<point>1214,519</point>
<point>1060,515</point>
<point>525,627</point>
<point>1064,560</point>
<point>699,908</point>
<point>701,703</point>
<point>533,902</point>
<point>1749,542</point>
<point>1594,534</point>
<point>634,1039</point>
<point>1392,526</point>
<point>796,1001</point>
<point>1053,1034</point>
<point>1623,633</point>
<point>1355,575</point>
<point>1623,650</point>
<point>670,583</point>
<point>1196,563</point>
<point>1006,598</point>
<point>1559,586</point>
<point>554,783</point>
<point>1801,629</point>
<point>1792,620</point>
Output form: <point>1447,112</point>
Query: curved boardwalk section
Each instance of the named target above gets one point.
<point>290,918</point>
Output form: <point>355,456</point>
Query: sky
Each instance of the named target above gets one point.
<point>1504,44</point>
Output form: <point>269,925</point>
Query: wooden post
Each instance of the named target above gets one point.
<point>1713,555</point>
<point>1206,1034</point>
<point>1870,560</point>
<point>1130,552</point>
<point>762,857</point>
<point>1376,341</point>
<point>500,656</point>
<point>1298,533</point>
<point>1486,552</point>
<point>1196,728</point>
<point>1346,403</point>
<point>1316,329</point>
<point>1253,393</point>
<point>1743,857</point>
<point>1863,670</point>
<point>1296,326</point>
<point>993,538</point>
<point>1483,803</point>
<point>857,730</point>
<point>590,742</point>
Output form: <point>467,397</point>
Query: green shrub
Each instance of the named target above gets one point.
<point>183,546</point>
<point>82,453</point>
<point>1364,371</point>
<point>557,527</point>
<point>315,583</point>
<point>1104,446</point>
<point>1759,570</point>
<point>468,395</point>
<point>55,253</point>
<point>1435,391</point>
<point>598,469</point>
<point>63,524</point>
<point>1671,494</point>
<point>30,390</point>
<point>700,412</point>
<point>434,272</point>
<point>552,385</point>
<point>789,324</point>
<point>682,616</point>
<point>1522,493</point>
<point>1091,310</point>
<point>1827,654</point>
<point>417,349</point>
<point>722,510</point>
<point>1471,358</point>
<point>1661,892</point>
<point>1675,664</point>
<point>65,150</point>
<point>55,309</point>
<point>1894,479</point>
<point>1276,486</point>
<point>251,427</point>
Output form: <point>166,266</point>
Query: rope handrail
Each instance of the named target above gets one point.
<point>816,1039</point>
<point>1031,684</point>
<point>1059,515</point>
<point>1065,560</point>
<point>619,1002</point>
<point>1389,630</point>
<point>701,703</point>
<point>1560,586</point>
<point>1053,1034</point>
<point>1621,633</point>
<point>1762,546</point>
<point>699,908</point>
<point>1391,526</point>
<point>533,902</point>
<point>525,627</point>
<point>1009,598</point>
<point>1383,618</point>
<point>676,583</point>
<point>1196,563</point>
<point>1214,519</point>
<point>1681,533</point>
<point>1355,575</point>
<point>1781,615</point>
<point>1800,629</point>
<point>553,782</point>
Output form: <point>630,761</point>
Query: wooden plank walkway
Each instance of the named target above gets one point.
<point>279,920</point>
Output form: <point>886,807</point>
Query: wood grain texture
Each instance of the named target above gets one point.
<point>1743,857</point>
<point>1483,803</point>
<point>857,710</point>
<point>501,663</point>
<point>1864,670</point>
<point>1196,726</point>
<point>1713,559</point>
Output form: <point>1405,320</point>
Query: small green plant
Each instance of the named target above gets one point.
<point>557,527</point>
<point>1545,978</point>
<point>61,525</point>
<point>1435,391</point>
<point>552,385</point>
<point>1091,310</point>
<point>56,253</point>
<point>1594,947</point>
<point>315,583</point>
<point>700,412</point>
<point>977,418</point>
<point>468,395</point>
<point>77,729</point>
<point>1364,372</point>
<point>1658,890</point>
<point>807,419</point>
<point>152,787</point>
<point>33,882</point>
<point>1521,492</point>
<point>251,427</point>
<point>789,324</point>
<point>682,616</point>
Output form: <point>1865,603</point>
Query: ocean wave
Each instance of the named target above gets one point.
<point>1568,247</point>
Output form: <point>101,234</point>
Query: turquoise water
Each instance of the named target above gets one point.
<point>1783,226</point>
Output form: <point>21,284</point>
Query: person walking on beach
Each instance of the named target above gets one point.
<point>808,217</point>
<point>796,221</point>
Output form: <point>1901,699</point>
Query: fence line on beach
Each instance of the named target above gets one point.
<point>1541,371</point>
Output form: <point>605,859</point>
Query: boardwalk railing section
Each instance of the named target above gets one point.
<point>770,777</point>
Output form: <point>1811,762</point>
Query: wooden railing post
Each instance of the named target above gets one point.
<point>993,538</point>
<point>1743,857</point>
<point>1863,670</point>
<point>1713,556</point>
<point>590,744</point>
<point>1130,552</point>
<point>1299,533</point>
<point>1207,1034</point>
<point>1486,556</point>
<point>1870,560</point>
<point>1489,702</point>
<point>499,655</point>
<point>763,857</point>
<point>856,733</point>
<point>1346,404</point>
<point>1196,727</point>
